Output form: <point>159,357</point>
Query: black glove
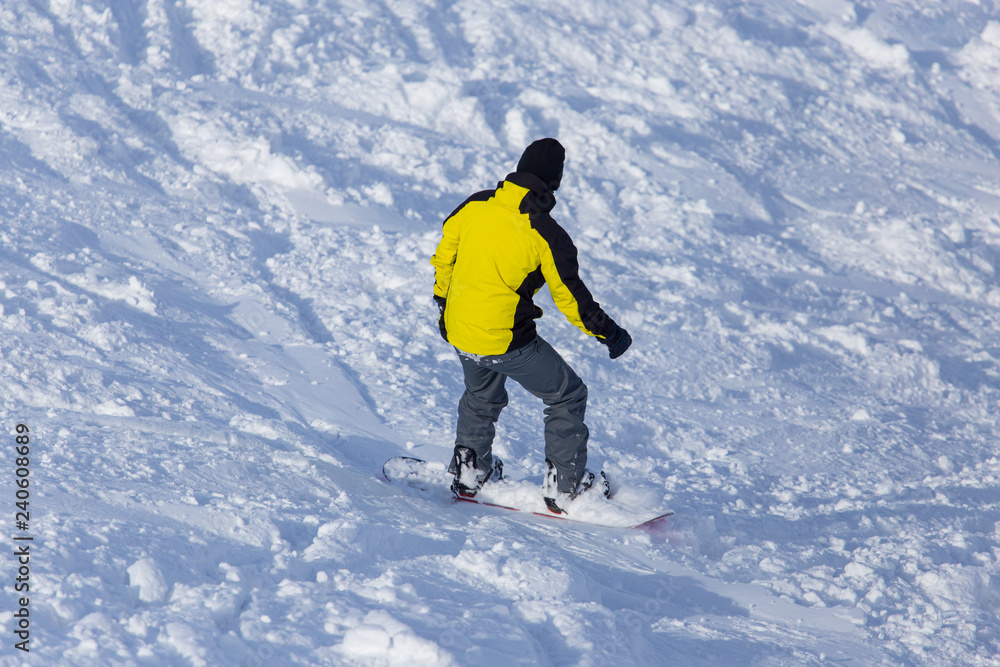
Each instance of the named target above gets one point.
<point>440,301</point>
<point>617,342</point>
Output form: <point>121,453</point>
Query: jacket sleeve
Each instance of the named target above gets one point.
<point>561,270</point>
<point>447,250</point>
<point>444,257</point>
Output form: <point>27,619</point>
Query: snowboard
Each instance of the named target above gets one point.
<point>592,509</point>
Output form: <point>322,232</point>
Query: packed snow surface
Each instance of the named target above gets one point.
<point>216,317</point>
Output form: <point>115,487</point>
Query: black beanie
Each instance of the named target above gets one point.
<point>544,158</point>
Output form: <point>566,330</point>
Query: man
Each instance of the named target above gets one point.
<point>498,249</point>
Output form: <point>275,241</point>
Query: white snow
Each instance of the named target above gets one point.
<point>147,581</point>
<point>215,303</point>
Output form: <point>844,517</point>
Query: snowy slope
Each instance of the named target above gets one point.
<point>215,301</point>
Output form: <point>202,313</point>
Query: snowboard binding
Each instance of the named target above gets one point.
<point>468,477</point>
<point>556,501</point>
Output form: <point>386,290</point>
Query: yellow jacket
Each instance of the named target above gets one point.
<point>498,249</point>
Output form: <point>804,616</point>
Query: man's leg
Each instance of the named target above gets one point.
<point>478,410</point>
<point>539,369</point>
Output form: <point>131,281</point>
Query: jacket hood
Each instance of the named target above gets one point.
<point>539,198</point>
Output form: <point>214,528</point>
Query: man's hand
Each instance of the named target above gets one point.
<point>617,342</point>
<point>440,301</point>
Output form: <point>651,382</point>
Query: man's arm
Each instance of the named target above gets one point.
<point>561,270</point>
<point>444,258</point>
<point>443,261</point>
<point>447,250</point>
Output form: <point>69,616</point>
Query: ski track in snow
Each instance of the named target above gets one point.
<point>216,315</point>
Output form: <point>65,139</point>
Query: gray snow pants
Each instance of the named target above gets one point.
<point>538,368</point>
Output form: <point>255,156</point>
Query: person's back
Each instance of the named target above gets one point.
<point>496,274</point>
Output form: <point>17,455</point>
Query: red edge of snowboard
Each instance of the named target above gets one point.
<point>648,524</point>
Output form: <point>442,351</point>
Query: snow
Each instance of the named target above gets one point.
<point>216,316</point>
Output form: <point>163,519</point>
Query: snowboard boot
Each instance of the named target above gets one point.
<point>468,477</point>
<point>557,501</point>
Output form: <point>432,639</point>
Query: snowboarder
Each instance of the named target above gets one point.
<point>498,249</point>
